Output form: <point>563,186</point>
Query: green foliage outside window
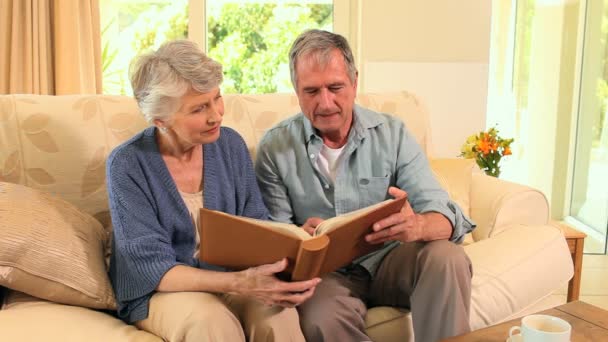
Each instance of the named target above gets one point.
<point>131,28</point>
<point>250,39</point>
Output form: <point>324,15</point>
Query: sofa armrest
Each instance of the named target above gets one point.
<point>497,204</point>
<point>515,269</point>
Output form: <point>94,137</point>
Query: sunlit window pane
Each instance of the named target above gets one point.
<point>252,38</point>
<point>590,189</point>
<point>545,64</point>
<point>132,27</point>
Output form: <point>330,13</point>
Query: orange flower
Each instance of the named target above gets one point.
<point>487,148</point>
<point>483,146</point>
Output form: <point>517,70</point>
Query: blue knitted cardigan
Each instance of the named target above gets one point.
<point>152,229</point>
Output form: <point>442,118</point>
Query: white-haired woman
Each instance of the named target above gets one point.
<point>157,182</point>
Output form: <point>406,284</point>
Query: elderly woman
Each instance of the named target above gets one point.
<point>157,182</point>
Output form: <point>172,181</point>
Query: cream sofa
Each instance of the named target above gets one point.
<point>59,144</point>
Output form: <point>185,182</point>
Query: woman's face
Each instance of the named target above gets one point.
<point>199,118</point>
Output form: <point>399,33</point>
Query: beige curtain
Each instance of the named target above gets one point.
<point>50,47</point>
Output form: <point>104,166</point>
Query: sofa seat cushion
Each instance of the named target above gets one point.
<point>26,318</point>
<point>385,323</point>
<point>52,250</point>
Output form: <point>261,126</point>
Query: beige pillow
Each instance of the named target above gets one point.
<point>455,176</point>
<point>51,250</point>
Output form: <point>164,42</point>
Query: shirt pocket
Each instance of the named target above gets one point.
<point>373,190</point>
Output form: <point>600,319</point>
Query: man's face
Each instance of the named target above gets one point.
<point>327,96</point>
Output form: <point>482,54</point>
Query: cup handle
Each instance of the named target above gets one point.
<point>515,328</point>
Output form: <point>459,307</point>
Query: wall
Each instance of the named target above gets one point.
<point>438,49</point>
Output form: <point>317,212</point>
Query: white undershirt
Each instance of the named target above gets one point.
<point>328,161</point>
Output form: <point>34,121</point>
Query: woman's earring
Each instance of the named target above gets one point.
<point>163,129</point>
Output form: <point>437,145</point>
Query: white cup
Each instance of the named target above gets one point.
<point>542,328</point>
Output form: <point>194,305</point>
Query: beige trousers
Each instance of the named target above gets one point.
<point>431,279</point>
<point>201,316</point>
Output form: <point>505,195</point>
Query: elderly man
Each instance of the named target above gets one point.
<point>336,157</point>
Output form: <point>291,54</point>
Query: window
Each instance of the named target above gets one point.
<point>549,90</point>
<point>589,200</point>
<point>130,28</point>
<point>250,38</point>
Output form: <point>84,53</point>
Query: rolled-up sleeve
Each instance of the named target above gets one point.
<point>414,175</point>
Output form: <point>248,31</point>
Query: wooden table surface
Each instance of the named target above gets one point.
<point>589,323</point>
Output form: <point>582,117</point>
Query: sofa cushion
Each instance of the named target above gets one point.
<point>253,115</point>
<point>455,176</point>
<point>52,250</point>
<point>26,318</point>
<point>59,144</point>
<point>407,107</point>
<point>40,134</point>
<point>385,323</point>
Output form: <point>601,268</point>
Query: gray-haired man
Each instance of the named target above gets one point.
<point>337,157</point>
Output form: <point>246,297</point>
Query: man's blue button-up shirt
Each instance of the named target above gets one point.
<point>380,152</point>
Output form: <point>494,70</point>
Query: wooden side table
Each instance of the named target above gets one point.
<point>576,242</point>
<point>589,323</point>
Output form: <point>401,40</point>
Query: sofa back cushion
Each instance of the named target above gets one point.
<point>252,115</point>
<point>59,144</point>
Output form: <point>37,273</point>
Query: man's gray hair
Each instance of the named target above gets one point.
<point>160,78</point>
<point>320,44</point>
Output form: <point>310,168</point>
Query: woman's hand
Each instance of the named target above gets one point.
<point>260,283</point>
<point>311,224</point>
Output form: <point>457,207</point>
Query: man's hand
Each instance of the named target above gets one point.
<point>311,224</point>
<point>260,283</point>
<point>404,226</point>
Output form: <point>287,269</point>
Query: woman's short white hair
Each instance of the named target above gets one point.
<point>160,78</point>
